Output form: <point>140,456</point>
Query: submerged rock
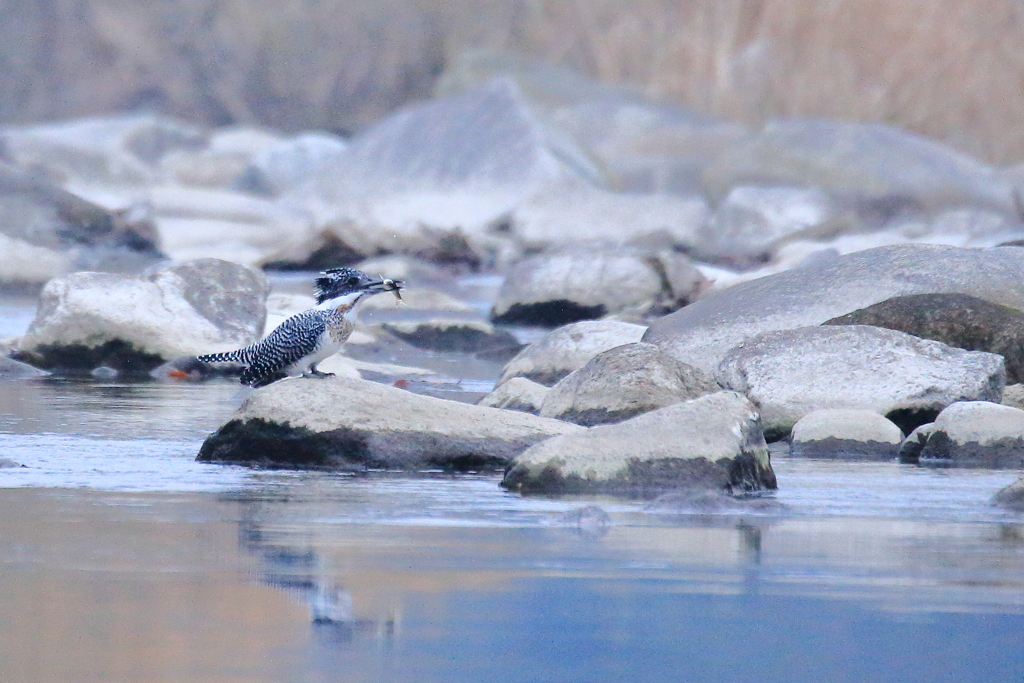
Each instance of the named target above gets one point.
<point>791,373</point>
<point>568,348</point>
<point>959,320</point>
<point>555,289</point>
<point>1012,496</point>
<point>711,442</point>
<point>517,393</point>
<point>703,332</point>
<point>622,382</point>
<point>846,433</point>
<point>133,324</point>
<point>350,424</point>
<point>12,369</point>
<point>971,434</point>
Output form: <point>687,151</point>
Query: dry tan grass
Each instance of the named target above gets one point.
<point>950,69</point>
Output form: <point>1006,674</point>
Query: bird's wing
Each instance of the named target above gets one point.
<point>290,341</point>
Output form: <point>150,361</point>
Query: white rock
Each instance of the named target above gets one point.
<point>182,310</point>
<point>714,441</point>
<point>791,373</point>
<point>844,432</point>
<point>568,348</point>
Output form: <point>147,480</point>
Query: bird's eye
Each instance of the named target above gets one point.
<point>353,281</point>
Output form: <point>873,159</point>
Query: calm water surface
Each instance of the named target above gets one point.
<point>122,559</point>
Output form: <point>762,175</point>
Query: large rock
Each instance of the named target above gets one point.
<point>885,168</point>
<point>646,145</point>
<point>133,324</point>
<point>703,332</point>
<point>971,434</point>
<point>791,373</point>
<point>1013,396</point>
<point>568,348</point>
<point>518,393</point>
<point>840,433</point>
<point>350,424</point>
<point>713,442</point>
<point>622,382</point>
<point>959,320</point>
<point>46,231</point>
<point>558,288</point>
<point>442,171</point>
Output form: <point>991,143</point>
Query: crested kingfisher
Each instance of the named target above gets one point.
<point>297,345</point>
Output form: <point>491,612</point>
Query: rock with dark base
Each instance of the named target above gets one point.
<point>454,336</point>
<point>350,424</point>
<point>622,382</point>
<point>133,324</point>
<point>712,442</point>
<point>568,348</point>
<point>861,434</point>
<point>971,434</point>
<point>703,332</point>
<point>791,373</point>
<point>959,320</point>
<point>555,289</point>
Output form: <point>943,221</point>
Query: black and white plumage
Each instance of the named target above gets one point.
<point>305,339</point>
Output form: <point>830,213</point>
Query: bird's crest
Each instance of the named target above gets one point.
<point>335,282</point>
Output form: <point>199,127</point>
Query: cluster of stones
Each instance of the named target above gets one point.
<point>705,300</point>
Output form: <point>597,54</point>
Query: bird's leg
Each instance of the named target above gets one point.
<point>313,372</point>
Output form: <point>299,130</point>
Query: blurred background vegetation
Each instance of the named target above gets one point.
<point>949,69</point>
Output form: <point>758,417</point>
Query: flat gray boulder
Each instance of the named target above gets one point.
<point>351,424</point>
<point>971,434</point>
<point>133,324</point>
<point>869,162</point>
<point>712,442</point>
<point>791,373</point>
<point>568,348</point>
<point>703,332</point>
<point>623,382</point>
<point>558,288</point>
<point>518,393</point>
<point>846,433</point>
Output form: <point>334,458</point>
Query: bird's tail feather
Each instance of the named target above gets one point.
<point>236,356</point>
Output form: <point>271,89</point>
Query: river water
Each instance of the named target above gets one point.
<point>122,559</point>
